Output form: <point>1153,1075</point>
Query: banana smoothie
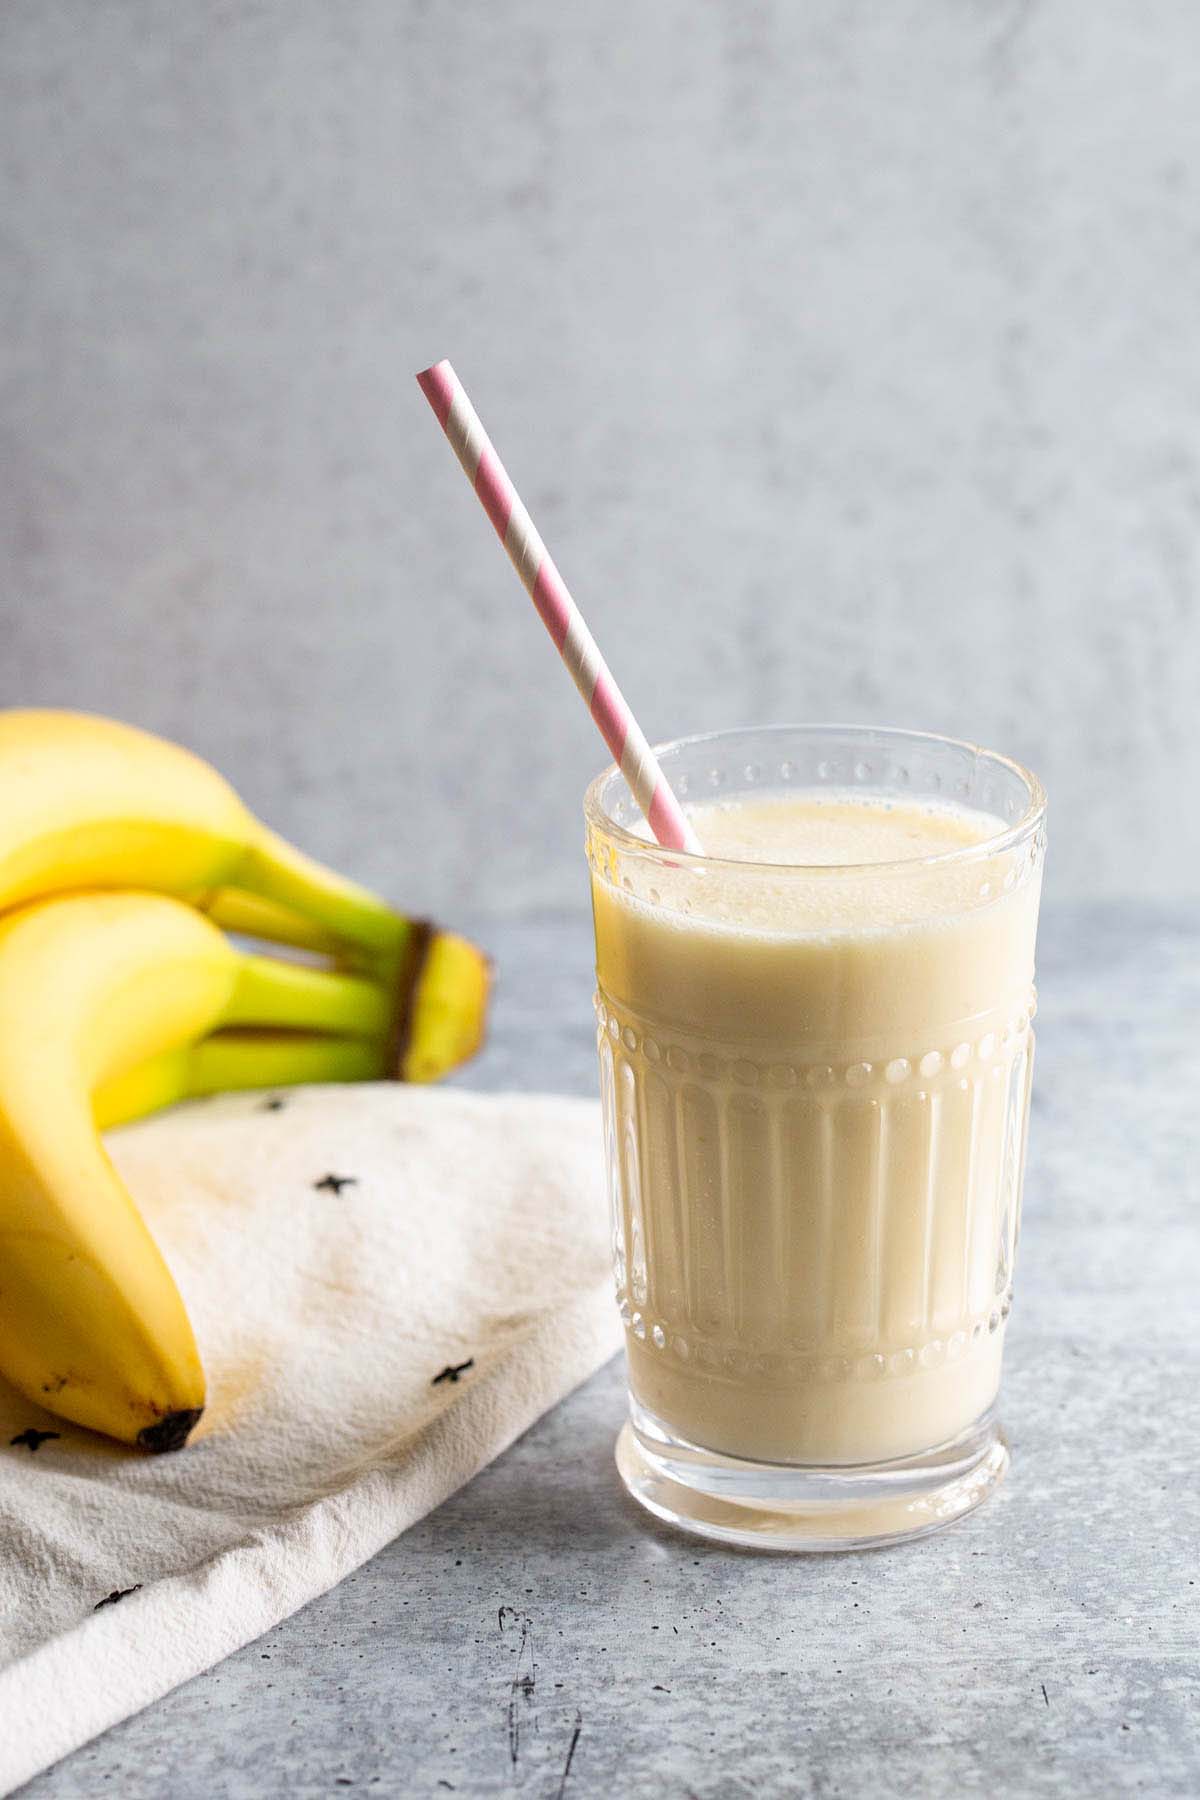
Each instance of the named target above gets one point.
<point>815,1063</point>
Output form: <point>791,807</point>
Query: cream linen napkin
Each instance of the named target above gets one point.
<point>388,1285</point>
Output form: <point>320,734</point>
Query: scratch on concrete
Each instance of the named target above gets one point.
<point>524,1681</point>
<point>570,1755</point>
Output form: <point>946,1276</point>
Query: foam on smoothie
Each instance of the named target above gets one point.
<point>849,836</point>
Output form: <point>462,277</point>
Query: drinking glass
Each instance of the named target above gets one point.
<point>815,1091</point>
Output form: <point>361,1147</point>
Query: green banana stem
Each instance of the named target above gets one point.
<point>235,1060</point>
<point>283,994</point>
<point>253,916</point>
<point>350,913</point>
<point>256,1059</point>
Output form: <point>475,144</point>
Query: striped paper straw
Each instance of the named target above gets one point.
<point>559,613</point>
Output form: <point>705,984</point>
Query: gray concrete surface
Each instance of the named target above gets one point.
<point>846,354</point>
<point>538,1636</point>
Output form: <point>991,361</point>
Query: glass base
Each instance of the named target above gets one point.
<point>774,1506</point>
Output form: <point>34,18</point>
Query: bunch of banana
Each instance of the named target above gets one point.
<point>124,861</point>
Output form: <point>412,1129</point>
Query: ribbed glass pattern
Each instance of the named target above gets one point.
<point>802,1217</point>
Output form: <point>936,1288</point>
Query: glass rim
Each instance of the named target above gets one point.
<point>997,844</point>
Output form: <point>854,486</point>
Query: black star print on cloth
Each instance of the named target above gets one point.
<point>31,1437</point>
<point>117,1594</point>
<point>452,1371</point>
<point>333,1184</point>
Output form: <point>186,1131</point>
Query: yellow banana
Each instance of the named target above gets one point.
<point>87,803</point>
<point>93,986</point>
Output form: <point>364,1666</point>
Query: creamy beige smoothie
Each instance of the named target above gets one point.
<point>815,1079</point>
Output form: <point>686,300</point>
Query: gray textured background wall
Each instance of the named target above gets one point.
<point>848,355</point>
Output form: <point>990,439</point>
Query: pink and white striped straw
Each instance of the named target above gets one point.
<point>559,613</point>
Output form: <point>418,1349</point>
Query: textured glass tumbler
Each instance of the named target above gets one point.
<point>815,1097</point>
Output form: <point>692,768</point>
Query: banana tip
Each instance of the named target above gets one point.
<point>171,1432</point>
